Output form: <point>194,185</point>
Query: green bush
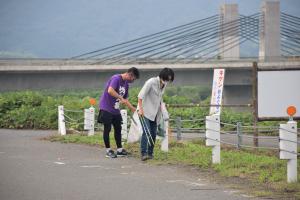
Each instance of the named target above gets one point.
<point>38,110</point>
<point>28,110</point>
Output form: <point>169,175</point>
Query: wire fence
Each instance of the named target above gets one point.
<point>236,138</point>
<point>76,122</point>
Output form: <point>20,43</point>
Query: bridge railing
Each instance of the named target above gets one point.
<point>54,61</point>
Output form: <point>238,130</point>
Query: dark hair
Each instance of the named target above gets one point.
<point>166,74</point>
<point>134,71</point>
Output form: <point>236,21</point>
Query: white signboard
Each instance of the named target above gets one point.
<point>217,90</point>
<point>276,90</point>
<point>88,119</point>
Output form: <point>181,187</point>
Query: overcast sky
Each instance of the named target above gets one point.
<point>57,28</point>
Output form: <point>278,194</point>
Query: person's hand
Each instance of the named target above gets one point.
<point>141,112</point>
<point>133,109</point>
<point>122,100</point>
<point>126,102</point>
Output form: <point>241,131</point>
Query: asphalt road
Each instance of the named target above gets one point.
<point>31,169</point>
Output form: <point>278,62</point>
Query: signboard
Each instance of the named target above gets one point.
<point>276,91</point>
<point>217,91</point>
<point>88,119</point>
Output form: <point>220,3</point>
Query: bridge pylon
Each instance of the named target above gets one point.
<point>269,31</point>
<point>229,40</point>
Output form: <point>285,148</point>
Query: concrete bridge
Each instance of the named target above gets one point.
<point>62,74</point>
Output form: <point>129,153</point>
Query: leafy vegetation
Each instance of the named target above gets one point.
<point>38,109</point>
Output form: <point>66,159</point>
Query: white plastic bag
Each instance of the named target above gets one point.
<point>163,119</point>
<point>164,111</point>
<point>135,130</point>
<point>165,128</point>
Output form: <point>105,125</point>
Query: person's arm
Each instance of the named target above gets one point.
<point>126,101</point>
<point>144,91</point>
<point>140,105</point>
<point>129,105</point>
<point>113,93</point>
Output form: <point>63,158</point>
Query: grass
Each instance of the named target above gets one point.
<point>77,138</point>
<point>261,172</point>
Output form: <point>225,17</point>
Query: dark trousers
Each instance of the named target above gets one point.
<point>109,119</point>
<point>147,148</point>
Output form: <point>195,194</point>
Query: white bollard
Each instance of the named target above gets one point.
<point>292,171</point>
<point>61,121</point>
<point>288,148</point>
<point>89,120</point>
<point>92,118</point>
<point>124,124</point>
<point>216,154</point>
<point>165,117</point>
<point>212,134</point>
<point>165,141</point>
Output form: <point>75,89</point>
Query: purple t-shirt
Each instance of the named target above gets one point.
<point>110,103</point>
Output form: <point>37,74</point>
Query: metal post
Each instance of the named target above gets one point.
<point>239,134</point>
<point>61,121</point>
<point>178,128</point>
<point>254,96</point>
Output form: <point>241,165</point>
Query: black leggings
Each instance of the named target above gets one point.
<point>109,119</point>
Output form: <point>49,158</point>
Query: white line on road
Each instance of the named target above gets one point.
<point>59,163</point>
<point>247,196</point>
<point>230,191</point>
<point>91,166</point>
<point>126,166</point>
<point>189,183</point>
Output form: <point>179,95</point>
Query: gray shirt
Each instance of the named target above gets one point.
<point>151,95</point>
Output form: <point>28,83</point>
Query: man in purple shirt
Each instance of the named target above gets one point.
<point>115,93</point>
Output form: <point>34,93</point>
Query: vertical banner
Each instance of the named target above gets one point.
<point>217,90</point>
